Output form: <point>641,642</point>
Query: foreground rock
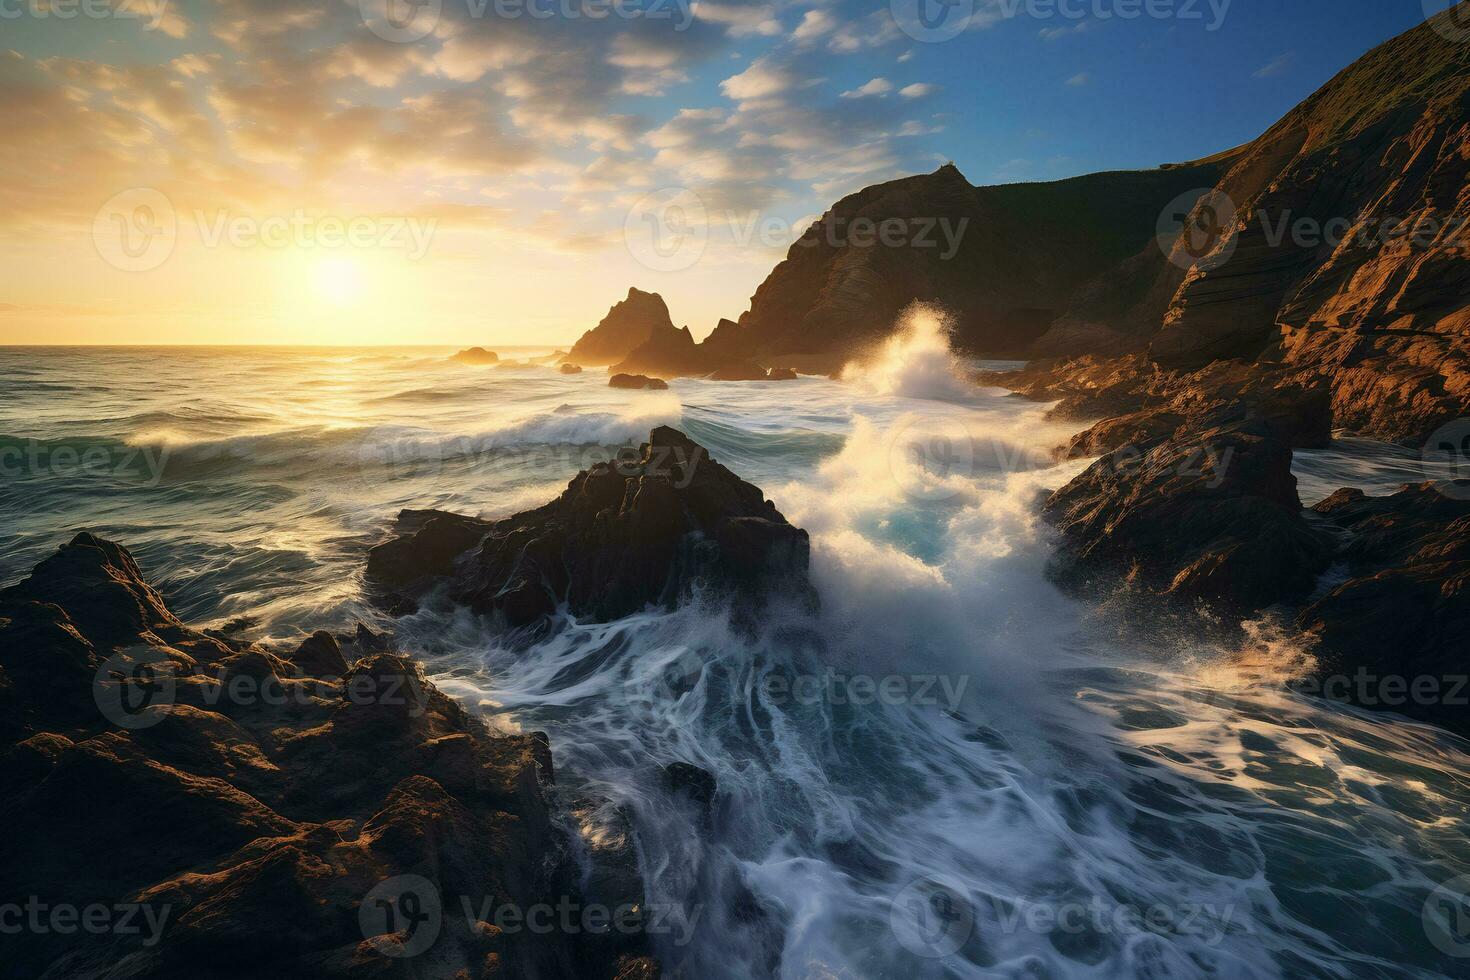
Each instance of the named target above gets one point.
<point>636,382</point>
<point>260,813</point>
<point>624,535</point>
<point>1392,637</point>
<point>476,355</point>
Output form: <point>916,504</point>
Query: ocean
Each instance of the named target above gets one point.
<point>951,769</point>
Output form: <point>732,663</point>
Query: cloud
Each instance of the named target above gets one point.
<point>918,90</point>
<point>762,79</point>
<point>1080,79</point>
<point>1055,33</point>
<point>740,20</point>
<point>876,86</point>
<point>814,23</point>
<point>1275,66</point>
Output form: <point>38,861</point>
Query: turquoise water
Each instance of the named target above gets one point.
<point>1036,800</point>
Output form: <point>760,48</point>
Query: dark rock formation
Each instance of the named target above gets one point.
<point>1392,637</point>
<point>781,374</point>
<point>1005,261</point>
<point>569,368</point>
<point>636,381</point>
<point>476,355</point>
<point>623,535</point>
<point>1208,517</point>
<point>260,812</point>
<point>628,325</point>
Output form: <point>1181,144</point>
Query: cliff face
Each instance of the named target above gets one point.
<point>1005,261</point>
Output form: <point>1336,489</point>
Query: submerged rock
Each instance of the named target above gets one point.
<point>636,381</point>
<point>625,534</point>
<point>476,355</point>
<point>261,819</point>
<point>568,368</point>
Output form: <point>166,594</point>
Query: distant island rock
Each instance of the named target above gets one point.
<point>569,368</point>
<point>629,324</point>
<point>476,355</point>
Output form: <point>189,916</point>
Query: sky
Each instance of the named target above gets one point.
<point>501,171</point>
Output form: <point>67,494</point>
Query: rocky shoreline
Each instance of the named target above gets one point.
<point>232,810</point>
<point>1191,509</point>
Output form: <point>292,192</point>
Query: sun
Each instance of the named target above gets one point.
<point>337,281</point>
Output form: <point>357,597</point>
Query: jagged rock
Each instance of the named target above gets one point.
<point>320,656</point>
<point>476,355</point>
<point>1403,615</point>
<point>636,381</point>
<point>1207,517</point>
<point>626,326</point>
<point>623,535</point>
<point>255,823</point>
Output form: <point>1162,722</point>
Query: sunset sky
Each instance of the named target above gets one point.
<point>276,171</point>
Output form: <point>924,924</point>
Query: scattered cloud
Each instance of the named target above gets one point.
<point>1275,66</point>
<point>1080,79</point>
<point>918,90</point>
<point>876,86</point>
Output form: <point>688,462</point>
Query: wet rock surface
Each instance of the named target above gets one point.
<point>261,814</point>
<point>624,535</point>
<point>1392,636</point>
<point>636,381</point>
